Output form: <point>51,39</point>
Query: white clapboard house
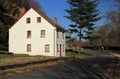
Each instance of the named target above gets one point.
<point>36,34</point>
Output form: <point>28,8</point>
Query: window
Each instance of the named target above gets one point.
<point>27,20</point>
<point>63,35</point>
<point>28,47</point>
<point>57,34</point>
<point>42,33</point>
<point>63,48</point>
<point>29,34</point>
<point>38,19</point>
<point>57,47</point>
<point>47,48</point>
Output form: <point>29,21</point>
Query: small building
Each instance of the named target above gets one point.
<point>36,34</point>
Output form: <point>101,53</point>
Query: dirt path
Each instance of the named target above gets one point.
<point>99,66</point>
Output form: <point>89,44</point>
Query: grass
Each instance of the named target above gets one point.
<point>7,72</point>
<point>34,68</point>
<point>81,55</point>
<point>12,72</point>
<point>20,59</point>
<point>4,56</point>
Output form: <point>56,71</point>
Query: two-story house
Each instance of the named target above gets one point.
<point>36,34</point>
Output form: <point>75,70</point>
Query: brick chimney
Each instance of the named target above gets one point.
<point>22,11</point>
<point>55,20</point>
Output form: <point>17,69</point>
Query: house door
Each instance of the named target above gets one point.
<point>60,50</point>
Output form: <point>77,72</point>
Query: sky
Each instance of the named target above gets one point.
<point>55,8</point>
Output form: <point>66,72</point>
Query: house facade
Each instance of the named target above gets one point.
<point>36,34</point>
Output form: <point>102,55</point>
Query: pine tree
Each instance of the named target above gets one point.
<point>82,13</point>
<point>91,16</point>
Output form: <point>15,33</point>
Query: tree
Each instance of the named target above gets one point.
<point>113,17</point>
<point>3,35</point>
<point>70,41</point>
<point>91,16</point>
<point>82,13</point>
<point>107,36</point>
<point>103,31</point>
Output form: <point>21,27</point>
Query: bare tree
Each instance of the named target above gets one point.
<point>114,19</point>
<point>107,36</point>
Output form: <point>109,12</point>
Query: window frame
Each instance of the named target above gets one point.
<point>63,48</point>
<point>57,34</point>
<point>63,35</point>
<point>57,47</point>
<point>42,34</point>
<point>29,34</point>
<point>38,19</point>
<point>28,20</point>
<point>29,47</point>
<point>47,48</point>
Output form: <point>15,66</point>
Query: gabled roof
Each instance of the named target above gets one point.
<point>45,17</point>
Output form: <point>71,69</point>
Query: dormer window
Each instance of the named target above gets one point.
<point>28,20</point>
<point>38,19</point>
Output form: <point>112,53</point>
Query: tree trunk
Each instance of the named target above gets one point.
<point>79,50</point>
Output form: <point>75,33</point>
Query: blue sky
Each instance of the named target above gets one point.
<point>55,8</point>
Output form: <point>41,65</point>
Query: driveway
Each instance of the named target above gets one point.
<point>94,67</point>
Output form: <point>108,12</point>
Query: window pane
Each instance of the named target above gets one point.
<point>28,34</point>
<point>38,19</point>
<point>47,48</point>
<point>63,35</point>
<point>57,34</point>
<point>42,33</point>
<point>28,47</point>
<point>57,47</point>
<point>63,48</point>
<point>28,20</point>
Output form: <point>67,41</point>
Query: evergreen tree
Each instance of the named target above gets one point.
<point>91,17</point>
<point>82,13</point>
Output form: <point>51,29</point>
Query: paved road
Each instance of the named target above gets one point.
<point>95,67</point>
